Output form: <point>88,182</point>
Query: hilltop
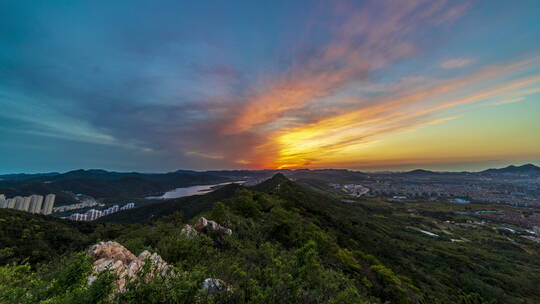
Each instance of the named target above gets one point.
<point>528,169</point>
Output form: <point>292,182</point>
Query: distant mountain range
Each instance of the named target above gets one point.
<point>131,185</point>
<point>102,184</point>
<point>528,169</point>
<point>101,174</point>
<point>25,176</point>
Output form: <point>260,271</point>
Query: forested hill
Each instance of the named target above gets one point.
<point>189,206</point>
<point>103,184</point>
<point>289,244</point>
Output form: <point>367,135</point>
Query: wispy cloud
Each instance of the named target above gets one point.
<point>363,43</point>
<point>456,63</point>
<point>210,96</point>
<point>506,101</point>
<point>390,114</point>
<point>204,155</point>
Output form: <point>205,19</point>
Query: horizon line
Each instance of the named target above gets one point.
<point>534,163</point>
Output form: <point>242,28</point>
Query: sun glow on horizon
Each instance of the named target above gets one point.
<point>344,84</point>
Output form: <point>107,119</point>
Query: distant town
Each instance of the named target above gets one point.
<point>506,189</point>
<point>81,194</point>
<point>517,193</point>
<point>38,204</point>
<point>33,203</point>
<point>94,214</point>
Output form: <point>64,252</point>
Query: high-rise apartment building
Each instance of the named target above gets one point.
<point>128,206</point>
<point>78,217</point>
<point>111,210</point>
<point>49,203</point>
<point>26,203</point>
<point>19,200</point>
<point>10,203</point>
<point>93,214</point>
<point>35,203</point>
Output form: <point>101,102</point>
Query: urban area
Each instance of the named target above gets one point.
<point>38,204</point>
<point>33,203</point>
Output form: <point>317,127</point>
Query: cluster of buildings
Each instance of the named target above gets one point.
<point>536,236</point>
<point>525,224</point>
<point>84,204</point>
<point>351,189</point>
<point>516,218</point>
<point>33,203</point>
<point>94,214</point>
<point>477,190</point>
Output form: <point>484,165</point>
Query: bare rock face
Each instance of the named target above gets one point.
<point>111,251</point>
<point>115,257</point>
<point>189,231</point>
<point>203,225</point>
<point>212,286</point>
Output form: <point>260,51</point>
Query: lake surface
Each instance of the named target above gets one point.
<point>192,190</point>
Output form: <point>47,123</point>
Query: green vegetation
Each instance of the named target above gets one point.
<point>38,238</point>
<point>289,244</point>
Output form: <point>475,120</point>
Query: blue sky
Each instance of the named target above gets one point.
<point>163,85</point>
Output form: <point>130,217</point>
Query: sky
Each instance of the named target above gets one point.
<point>135,85</point>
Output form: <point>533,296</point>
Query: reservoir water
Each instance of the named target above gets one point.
<point>192,190</point>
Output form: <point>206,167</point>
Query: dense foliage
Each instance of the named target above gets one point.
<point>295,245</point>
<point>38,238</point>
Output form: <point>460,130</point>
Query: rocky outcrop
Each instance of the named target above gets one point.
<point>202,226</point>
<point>114,257</point>
<point>189,231</point>
<point>212,286</point>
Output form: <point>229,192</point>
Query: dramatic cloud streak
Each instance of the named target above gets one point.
<point>311,144</point>
<point>456,63</point>
<point>361,44</point>
<point>158,87</point>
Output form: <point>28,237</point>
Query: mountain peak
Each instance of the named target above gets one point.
<point>279,177</point>
<point>512,169</point>
<point>420,171</point>
<point>529,166</point>
<point>271,184</point>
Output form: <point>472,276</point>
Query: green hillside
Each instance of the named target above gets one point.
<point>189,206</point>
<point>35,238</point>
<point>290,244</point>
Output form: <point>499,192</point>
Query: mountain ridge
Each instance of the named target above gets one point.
<point>512,169</point>
<point>87,173</point>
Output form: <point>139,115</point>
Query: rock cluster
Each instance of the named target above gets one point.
<point>189,231</point>
<point>212,286</point>
<point>115,257</point>
<point>203,225</point>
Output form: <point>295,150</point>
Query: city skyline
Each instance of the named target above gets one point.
<point>34,203</point>
<point>363,85</point>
